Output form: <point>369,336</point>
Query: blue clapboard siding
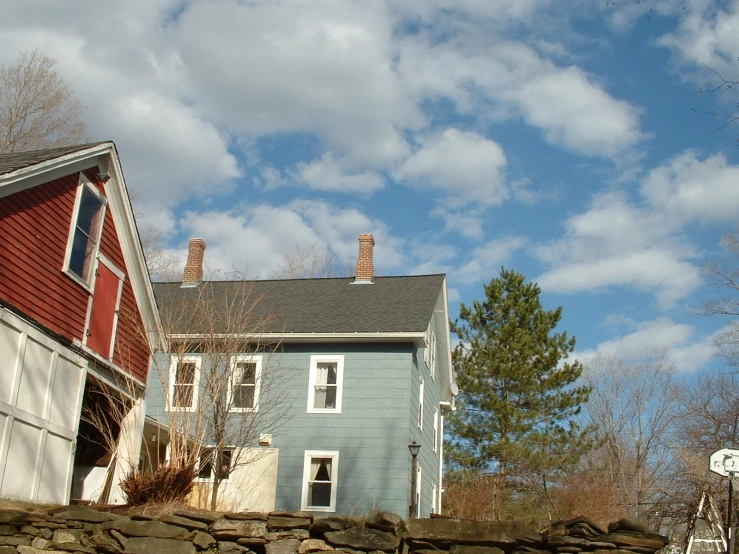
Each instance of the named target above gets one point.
<point>371,434</point>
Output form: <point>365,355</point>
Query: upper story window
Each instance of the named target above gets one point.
<point>325,384</point>
<point>87,226</point>
<point>320,477</point>
<point>184,376</point>
<point>246,374</point>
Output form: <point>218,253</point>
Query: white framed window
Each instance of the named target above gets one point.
<point>320,478</point>
<point>418,491</point>
<point>325,384</point>
<point>246,376</point>
<point>84,234</point>
<point>184,380</point>
<point>436,430</point>
<point>207,466</point>
<point>420,405</point>
<point>427,350</point>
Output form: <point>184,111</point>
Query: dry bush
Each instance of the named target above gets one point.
<point>166,484</point>
<point>473,496</point>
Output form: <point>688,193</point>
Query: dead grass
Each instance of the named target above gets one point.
<point>25,506</point>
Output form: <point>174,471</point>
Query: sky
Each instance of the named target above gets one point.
<point>559,139</point>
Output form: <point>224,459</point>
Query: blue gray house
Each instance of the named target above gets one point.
<point>365,366</point>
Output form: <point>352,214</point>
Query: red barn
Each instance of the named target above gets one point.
<point>78,324</point>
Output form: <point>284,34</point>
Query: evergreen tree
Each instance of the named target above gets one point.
<point>517,414</point>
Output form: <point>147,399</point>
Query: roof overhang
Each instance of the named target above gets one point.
<point>418,339</point>
<point>105,157</point>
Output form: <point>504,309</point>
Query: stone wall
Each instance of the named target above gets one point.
<point>81,529</point>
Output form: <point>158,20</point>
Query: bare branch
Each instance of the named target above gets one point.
<point>37,107</point>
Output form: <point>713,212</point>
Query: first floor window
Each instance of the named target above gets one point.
<point>325,384</point>
<point>183,379</point>
<point>320,473</point>
<point>246,374</point>
<point>436,430</point>
<point>209,464</point>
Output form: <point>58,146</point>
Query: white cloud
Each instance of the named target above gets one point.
<point>499,79</point>
<point>466,166</point>
<point>685,350</point>
<point>691,189</point>
<point>327,174</point>
<point>253,238</point>
<point>487,259</point>
<point>322,68</point>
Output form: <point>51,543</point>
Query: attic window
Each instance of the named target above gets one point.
<point>86,228</point>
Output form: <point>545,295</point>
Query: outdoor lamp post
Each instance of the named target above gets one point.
<point>414,447</point>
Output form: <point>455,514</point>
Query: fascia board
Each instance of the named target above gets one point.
<point>417,338</point>
<point>441,313</point>
<point>43,172</point>
<point>133,253</point>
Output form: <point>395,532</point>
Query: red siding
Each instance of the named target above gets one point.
<point>34,229</point>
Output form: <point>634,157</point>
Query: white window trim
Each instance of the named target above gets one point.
<point>433,499</point>
<point>249,358</point>
<point>314,361</point>
<point>309,454</point>
<point>427,350</point>
<point>212,477</point>
<point>420,405</point>
<point>173,363</point>
<point>84,182</point>
<point>436,430</point>
<point>419,489</point>
<point>432,366</point>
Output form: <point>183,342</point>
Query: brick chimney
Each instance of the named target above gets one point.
<point>193,273</point>
<point>365,267</point>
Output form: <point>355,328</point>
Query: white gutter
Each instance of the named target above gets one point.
<point>417,338</point>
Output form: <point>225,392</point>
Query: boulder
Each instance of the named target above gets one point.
<point>314,545</point>
<point>24,549</point>
<point>187,523</point>
<point>67,535</point>
<point>149,545</point>
<point>363,539</point>
<point>626,524</point>
<point>245,516</point>
<point>152,529</point>
<point>205,517</point>
<point>444,532</point>
<point>286,546</point>
<point>644,540</point>
<point>384,521</point>
<point>83,513</point>
<point>562,541</point>
<point>301,534</point>
<point>102,543</point>
<point>465,549</point>
<point>282,523</point>
<point>203,540</point>
<point>322,525</point>
<point>226,547</point>
<point>233,529</point>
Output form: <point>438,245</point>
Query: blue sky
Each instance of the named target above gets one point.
<point>555,138</point>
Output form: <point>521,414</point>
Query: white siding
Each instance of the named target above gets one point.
<point>41,388</point>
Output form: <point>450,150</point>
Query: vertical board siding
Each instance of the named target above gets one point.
<point>34,224</point>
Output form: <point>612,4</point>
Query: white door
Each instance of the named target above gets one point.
<point>41,388</point>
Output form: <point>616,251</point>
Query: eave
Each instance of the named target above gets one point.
<point>418,339</point>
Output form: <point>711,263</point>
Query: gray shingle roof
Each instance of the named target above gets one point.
<point>19,160</point>
<point>390,304</point>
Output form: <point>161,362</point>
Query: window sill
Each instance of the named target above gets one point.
<point>77,279</point>
<point>323,411</point>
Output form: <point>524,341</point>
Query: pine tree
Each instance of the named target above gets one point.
<point>517,415</point>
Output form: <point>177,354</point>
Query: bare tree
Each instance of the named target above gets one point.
<point>162,265</point>
<point>634,406</point>
<point>723,272</point>
<point>37,107</point>
<point>223,387</point>
<point>310,261</point>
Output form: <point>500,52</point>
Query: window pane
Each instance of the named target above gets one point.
<point>88,216</point>
<point>224,467</point>
<point>183,396</point>
<point>331,377</point>
<point>330,397</point>
<point>247,373</point>
<point>185,374</point>
<point>243,396</point>
<point>206,459</point>
<point>82,250</point>
<point>319,495</point>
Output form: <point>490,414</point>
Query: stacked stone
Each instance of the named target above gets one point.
<point>81,529</point>
<point>84,530</point>
<point>621,537</point>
